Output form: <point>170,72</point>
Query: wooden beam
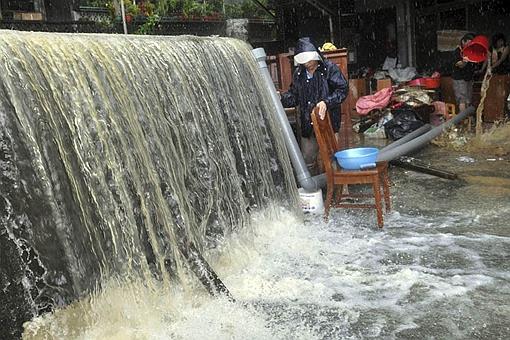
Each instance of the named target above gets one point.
<point>318,4</point>
<point>321,6</point>
<point>265,8</point>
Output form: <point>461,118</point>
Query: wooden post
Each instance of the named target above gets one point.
<point>339,57</point>
<point>284,71</point>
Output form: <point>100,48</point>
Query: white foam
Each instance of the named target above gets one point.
<point>305,280</point>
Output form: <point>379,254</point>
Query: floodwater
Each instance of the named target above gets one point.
<point>439,269</point>
<point>108,174</point>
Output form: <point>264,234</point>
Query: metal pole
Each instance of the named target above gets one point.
<point>409,32</point>
<point>339,37</point>
<point>331,31</point>
<point>123,15</point>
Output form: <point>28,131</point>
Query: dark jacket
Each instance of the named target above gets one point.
<point>504,67</point>
<point>328,84</point>
<point>462,73</point>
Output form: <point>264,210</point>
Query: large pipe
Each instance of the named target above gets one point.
<point>408,137</point>
<point>305,180</point>
<point>417,142</point>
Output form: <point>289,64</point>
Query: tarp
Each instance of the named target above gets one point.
<point>378,100</point>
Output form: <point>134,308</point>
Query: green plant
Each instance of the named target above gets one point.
<point>216,6</point>
<point>149,8</point>
<point>149,26</point>
<point>188,8</point>
<point>95,3</point>
<point>233,11</point>
<point>131,8</point>
<point>251,10</point>
<point>191,8</point>
<point>163,7</point>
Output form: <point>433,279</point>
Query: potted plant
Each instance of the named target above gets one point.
<point>148,8</point>
<point>132,11</point>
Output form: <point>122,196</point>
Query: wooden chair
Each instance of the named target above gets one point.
<point>337,178</point>
<point>450,111</point>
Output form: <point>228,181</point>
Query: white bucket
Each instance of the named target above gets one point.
<point>311,202</point>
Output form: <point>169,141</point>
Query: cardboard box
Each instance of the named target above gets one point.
<point>448,40</point>
<point>31,16</point>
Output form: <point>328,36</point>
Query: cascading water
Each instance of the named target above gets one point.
<point>115,151</point>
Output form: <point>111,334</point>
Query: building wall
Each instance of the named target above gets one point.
<point>370,34</point>
<point>51,10</point>
<point>59,10</point>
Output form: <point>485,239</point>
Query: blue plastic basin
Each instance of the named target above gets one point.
<point>357,158</point>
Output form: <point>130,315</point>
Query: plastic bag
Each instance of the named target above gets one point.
<point>405,120</point>
<point>375,131</point>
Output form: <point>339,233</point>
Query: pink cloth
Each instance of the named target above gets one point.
<point>378,100</point>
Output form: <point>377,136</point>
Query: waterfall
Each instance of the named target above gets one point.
<point>116,150</point>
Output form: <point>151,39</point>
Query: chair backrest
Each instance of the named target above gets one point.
<point>326,139</point>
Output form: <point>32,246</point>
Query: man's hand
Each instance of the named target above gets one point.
<point>463,62</point>
<point>322,109</point>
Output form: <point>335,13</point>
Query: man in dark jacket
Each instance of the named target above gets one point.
<point>316,82</point>
<point>462,75</point>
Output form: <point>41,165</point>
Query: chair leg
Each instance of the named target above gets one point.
<point>337,196</point>
<point>386,189</point>
<point>329,198</point>
<point>376,185</point>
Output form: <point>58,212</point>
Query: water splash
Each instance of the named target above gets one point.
<point>493,142</point>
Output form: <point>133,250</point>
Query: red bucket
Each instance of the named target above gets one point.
<point>477,50</point>
<point>432,83</point>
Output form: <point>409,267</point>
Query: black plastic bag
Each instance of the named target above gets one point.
<point>405,120</point>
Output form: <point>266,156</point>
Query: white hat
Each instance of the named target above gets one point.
<point>304,57</point>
